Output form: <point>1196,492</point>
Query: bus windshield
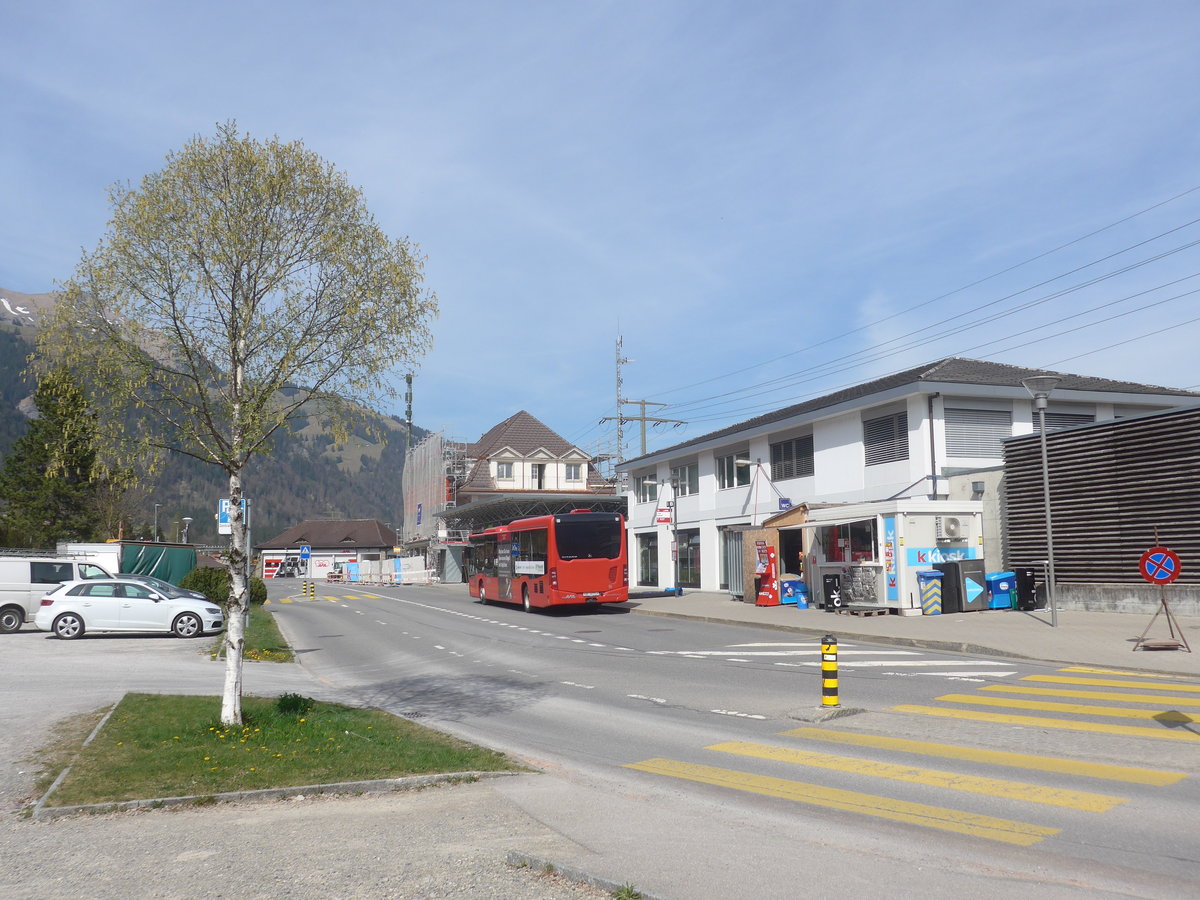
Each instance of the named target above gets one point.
<point>580,538</point>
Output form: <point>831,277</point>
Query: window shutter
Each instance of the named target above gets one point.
<point>977,432</point>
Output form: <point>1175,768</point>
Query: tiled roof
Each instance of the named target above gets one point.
<point>523,433</point>
<point>953,369</point>
<point>328,534</point>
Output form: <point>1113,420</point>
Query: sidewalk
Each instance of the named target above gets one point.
<point>1086,638</point>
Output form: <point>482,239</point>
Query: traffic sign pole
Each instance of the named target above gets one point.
<point>1160,565</point>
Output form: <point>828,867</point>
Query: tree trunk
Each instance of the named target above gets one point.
<point>238,607</point>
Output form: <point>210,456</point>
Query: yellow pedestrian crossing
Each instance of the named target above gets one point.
<point>1103,771</point>
<point>1040,722</point>
<point>1174,707</point>
<point>1151,699</point>
<point>996,829</point>
<point>994,787</point>
<point>1173,717</point>
<point>1159,699</point>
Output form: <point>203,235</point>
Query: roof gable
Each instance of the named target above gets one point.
<point>522,433</point>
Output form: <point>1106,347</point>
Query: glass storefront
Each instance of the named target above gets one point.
<point>689,557</point>
<point>647,560</point>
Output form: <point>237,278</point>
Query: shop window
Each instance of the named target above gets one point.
<point>647,560</point>
<point>851,542</point>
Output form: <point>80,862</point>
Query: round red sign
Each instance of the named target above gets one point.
<point>1159,565</point>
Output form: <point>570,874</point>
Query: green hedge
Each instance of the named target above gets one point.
<point>214,584</point>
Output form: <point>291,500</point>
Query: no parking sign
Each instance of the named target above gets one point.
<point>1159,565</point>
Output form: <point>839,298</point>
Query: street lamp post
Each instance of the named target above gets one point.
<point>156,506</point>
<point>187,520</point>
<point>1039,387</point>
<point>675,531</point>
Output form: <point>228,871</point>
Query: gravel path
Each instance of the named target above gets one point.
<point>443,842</point>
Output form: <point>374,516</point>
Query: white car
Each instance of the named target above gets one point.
<point>111,604</point>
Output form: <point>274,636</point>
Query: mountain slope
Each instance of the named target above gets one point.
<point>305,476</point>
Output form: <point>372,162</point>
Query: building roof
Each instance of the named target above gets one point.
<point>524,435</point>
<point>951,370</point>
<point>333,534</point>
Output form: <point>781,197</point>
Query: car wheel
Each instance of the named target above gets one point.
<point>68,626</point>
<point>482,594</point>
<point>187,625</point>
<point>525,598</point>
<point>11,620</point>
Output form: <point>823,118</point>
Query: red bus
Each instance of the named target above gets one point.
<point>575,557</point>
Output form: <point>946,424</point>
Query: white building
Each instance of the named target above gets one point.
<point>896,437</point>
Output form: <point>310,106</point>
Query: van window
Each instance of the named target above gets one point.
<point>50,572</point>
<point>87,570</point>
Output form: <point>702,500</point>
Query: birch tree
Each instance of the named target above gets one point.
<point>242,286</point>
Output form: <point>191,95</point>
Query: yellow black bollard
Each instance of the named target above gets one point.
<point>310,590</point>
<point>829,676</point>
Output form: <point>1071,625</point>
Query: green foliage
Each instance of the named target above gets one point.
<point>293,704</point>
<point>214,584</point>
<point>240,269</point>
<point>49,488</point>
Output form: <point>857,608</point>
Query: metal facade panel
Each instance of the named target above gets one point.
<point>1111,486</point>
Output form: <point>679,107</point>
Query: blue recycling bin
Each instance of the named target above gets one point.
<point>801,595</point>
<point>787,591</point>
<point>930,583</point>
<point>1002,590</point>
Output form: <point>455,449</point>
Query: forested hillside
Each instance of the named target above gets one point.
<point>305,476</point>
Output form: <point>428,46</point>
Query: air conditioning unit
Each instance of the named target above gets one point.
<point>950,528</point>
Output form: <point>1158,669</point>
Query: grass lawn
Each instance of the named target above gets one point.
<point>264,642</point>
<point>169,746</point>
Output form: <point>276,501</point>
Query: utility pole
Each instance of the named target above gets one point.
<point>620,418</point>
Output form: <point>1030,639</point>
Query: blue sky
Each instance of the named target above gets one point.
<point>768,200</point>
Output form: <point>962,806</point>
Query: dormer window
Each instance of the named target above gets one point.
<point>574,472</point>
<point>504,471</point>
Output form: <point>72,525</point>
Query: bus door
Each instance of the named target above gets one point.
<point>504,567</point>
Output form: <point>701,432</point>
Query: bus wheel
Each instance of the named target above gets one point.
<point>482,594</point>
<point>525,598</point>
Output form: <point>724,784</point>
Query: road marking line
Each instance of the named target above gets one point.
<point>1105,771</point>
<point>736,714</point>
<point>1092,695</point>
<point>1005,830</point>
<point>877,663</point>
<point>992,787</point>
<point>1101,682</point>
<point>1039,722</point>
<point>1082,709</point>
<point>1092,671</point>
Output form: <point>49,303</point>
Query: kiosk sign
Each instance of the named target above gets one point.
<point>1159,565</point>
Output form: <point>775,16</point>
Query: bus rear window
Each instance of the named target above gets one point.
<point>581,539</point>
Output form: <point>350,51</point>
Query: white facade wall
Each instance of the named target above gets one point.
<point>839,461</point>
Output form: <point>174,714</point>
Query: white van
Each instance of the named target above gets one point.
<point>24,580</point>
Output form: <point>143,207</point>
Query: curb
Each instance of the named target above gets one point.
<point>579,876</point>
<point>378,786</point>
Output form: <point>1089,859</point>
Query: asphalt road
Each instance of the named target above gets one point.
<point>704,714</point>
<point>621,712</point>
